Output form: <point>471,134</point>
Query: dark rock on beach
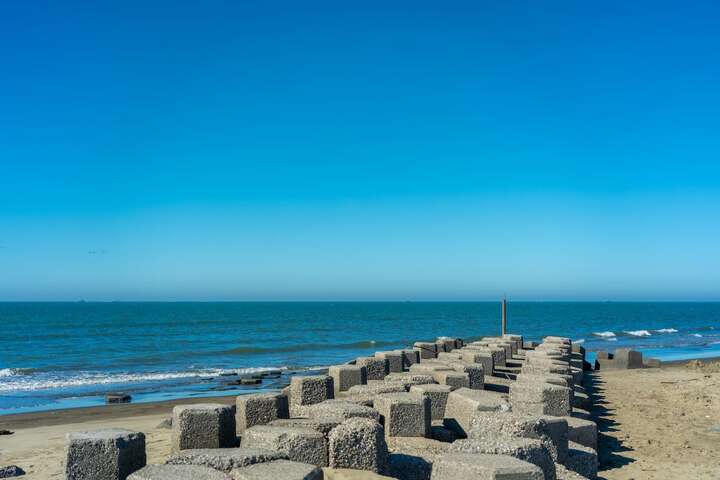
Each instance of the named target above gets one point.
<point>11,471</point>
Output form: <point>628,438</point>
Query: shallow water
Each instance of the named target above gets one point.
<point>61,355</point>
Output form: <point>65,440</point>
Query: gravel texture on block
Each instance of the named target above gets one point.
<point>224,459</point>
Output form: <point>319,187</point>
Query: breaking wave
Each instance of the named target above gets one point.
<point>639,333</point>
<point>666,330</point>
<point>49,381</point>
<point>604,334</point>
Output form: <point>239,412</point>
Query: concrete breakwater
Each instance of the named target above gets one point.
<point>495,408</point>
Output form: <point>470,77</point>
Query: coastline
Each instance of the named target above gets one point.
<point>643,417</point>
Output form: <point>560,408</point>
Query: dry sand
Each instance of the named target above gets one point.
<point>660,423</point>
<point>655,424</point>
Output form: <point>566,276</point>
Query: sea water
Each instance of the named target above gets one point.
<point>63,355</point>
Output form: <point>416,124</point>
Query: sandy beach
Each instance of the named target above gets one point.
<point>655,424</point>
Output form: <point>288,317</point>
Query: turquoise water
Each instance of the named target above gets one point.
<point>62,355</point>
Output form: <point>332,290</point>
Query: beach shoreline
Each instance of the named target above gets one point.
<point>632,418</point>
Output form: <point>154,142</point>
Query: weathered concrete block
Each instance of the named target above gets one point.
<point>224,459</point>
<point>582,432</point>
<point>475,373</point>
<point>346,376</point>
<point>430,367</point>
<point>375,387</point>
<point>450,356</point>
<point>552,430</point>
<point>463,403</point>
<point>448,342</point>
<point>259,409</point>
<point>341,409</point>
<point>540,399</point>
<point>627,358</point>
<point>203,425</point>
<point>410,357</point>
<point>653,363</point>
<point>453,378</point>
<point>527,449</point>
<point>404,414</point>
<point>554,378</point>
<point>108,454</point>
<point>409,379</point>
<point>437,394</point>
<point>483,467</point>
<point>280,470</point>
<point>358,443</point>
<point>480,357</point>
<point>322,425</point>
<point>427,350</point>
<point>582,460</point>
<point>309,390</point>
<point>177,472</point>
<point>409,467</point>
<point>395,360</point>
<point>376,368</point>
<point>299,444</point>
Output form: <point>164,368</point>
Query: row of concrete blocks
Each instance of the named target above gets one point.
<point>623,359</point>
<point>355,442</point>
<point>209,426</point>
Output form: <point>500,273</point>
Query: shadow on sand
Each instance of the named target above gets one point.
<point>610,449</point>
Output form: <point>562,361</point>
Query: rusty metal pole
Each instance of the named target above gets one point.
<point>504,315</point>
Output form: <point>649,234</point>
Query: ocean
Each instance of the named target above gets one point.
<point>65,355</point>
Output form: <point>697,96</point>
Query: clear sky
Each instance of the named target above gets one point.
<point>359,150</point>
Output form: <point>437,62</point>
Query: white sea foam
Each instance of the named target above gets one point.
<point>49,381</point>
<point>611,339</point>
<point>577,342</point>
<point>7,372</point>
<point>697,335</point>
<point>639,333</point>
<point>604,334</point>
<point>666,330</point>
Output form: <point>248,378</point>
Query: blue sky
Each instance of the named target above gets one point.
<point>319,150</point>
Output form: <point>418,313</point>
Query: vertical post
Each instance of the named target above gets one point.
<point>504,315</point>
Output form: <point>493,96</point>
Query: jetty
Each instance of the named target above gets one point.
<point>496,408</point>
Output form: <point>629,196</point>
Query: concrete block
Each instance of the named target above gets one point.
<point>410,357</point>
<point>395,360</point>
<point>540,399</point>
<point>224,459</point>
<point>582,460</point>
<point>346,376</point>
<point>359,444</point>
<point>453,378</point>
<point>309,390</point>
<point>203,425</point>
<point>259,409</point>
<point>341,409</point>
<point>552,430</point>
<point>562,473</point>
<point>475,373</point>
<point>582,432</point>
<point>279,470</point>
<point>463,403</point>
<point>448,342</point>
<point>453,356</point>
<point>177,472</point>
<point>554,378</point>
<point>373,388</point>
<point>409,467</point>
<point>299,444</point>
<point>375,368</point>
<point>108,454</point>
<point>628,358</point>
<point>322,425</point>
<point>527,449</point>
<point>653,363</point>
<point>430,367</point>
<point>483,467</point>
<point>409,379</point>
<point>427,350</point>
<point>404,414</point>
<point>480,357</point>
<point>437,394</point>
